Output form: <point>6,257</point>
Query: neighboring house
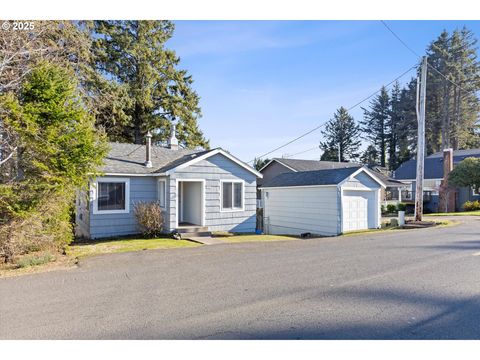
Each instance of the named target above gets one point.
<point>434,171</point>
<point>391,194</point>
<point>323,202</point>
<point>210,189</point>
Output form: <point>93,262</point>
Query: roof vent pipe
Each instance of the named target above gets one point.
<point>148,155</point>
<point>173,142</point>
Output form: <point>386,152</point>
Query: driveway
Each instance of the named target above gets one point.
<point>416,284</point>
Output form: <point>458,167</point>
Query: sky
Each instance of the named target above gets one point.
<point>263,83</point>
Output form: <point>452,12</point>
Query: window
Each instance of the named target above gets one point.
<point>162,192</point>
<point>112,196</point>
<point>232,195</point>
<point>474,191</point>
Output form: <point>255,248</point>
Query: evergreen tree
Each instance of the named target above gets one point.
<point>375,123</point>
<point>59,149</point>
<point>133,53</point>
<point>392,125</point>
<point>342,137</point>
<point>452,111</point>
<point>370,156</point>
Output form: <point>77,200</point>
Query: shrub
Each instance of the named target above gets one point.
<point>46,227</point>
<point>391,208</point>
<point>382,209</point>
<point>149,217</point>
<point>471,205</point>
<point>402,207</point>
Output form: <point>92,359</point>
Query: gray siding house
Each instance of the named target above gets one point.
<point>433,177</point>
<point>210,189</point>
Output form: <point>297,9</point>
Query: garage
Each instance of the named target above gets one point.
<point>323,202</point>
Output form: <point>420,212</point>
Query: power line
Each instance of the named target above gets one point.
<point>302,152</point>
<point>324,123</point>
<point>417,55</point>
<point>399,39</point>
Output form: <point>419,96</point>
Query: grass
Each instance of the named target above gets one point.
<point>460,213</point>
<point>126,245</point>
<point>34,259</point>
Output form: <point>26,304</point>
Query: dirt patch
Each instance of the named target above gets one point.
<point>61,262</point>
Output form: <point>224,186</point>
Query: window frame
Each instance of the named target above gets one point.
<point>232,209</point>
<point>95,190</point>
<point>164,181</point>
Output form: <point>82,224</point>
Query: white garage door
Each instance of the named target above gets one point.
<point>355,209</point>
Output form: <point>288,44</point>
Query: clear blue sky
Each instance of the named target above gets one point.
<point>262,83</point>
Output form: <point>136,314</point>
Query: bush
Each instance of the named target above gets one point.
<point>402,207</point>
<point>471,205</point>
<point>391,208</point>
<point>149,217</point>
<point>47,227</point>
<point>382,209</point>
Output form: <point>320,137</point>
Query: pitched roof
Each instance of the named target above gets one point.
<point>433,167</point>
<point>387,180</point>
<point>130,159</point>
<point>310,165</point>
<point>308,178</point>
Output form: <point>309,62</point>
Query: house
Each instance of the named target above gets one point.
<point>435,168</point>
<point>391,194</point>
<point>207,189</point>
<point>323,202</point>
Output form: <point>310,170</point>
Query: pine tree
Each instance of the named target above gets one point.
<point>342,137</point>
<point>375,123</point>
<point>133,53</point>
<point>370,156</point>
<point>452,110</point>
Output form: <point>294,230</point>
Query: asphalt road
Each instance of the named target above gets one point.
<point>417,284</point>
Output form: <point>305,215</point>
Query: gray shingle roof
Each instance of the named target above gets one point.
<point>130,159</point>
<point>433,165</point>
<point>387,180</point>
<point>317,177</point>
<point>310,165</point>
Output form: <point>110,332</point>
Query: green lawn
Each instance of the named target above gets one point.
<point>460,213</point>
<point>125,245</point>
<point>253,237</point>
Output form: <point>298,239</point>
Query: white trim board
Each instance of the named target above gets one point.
<point>177,215</point>
<point>238,181</point>
<point>212,153</point>
<point>94,195</point>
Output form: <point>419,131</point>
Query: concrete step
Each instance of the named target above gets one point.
<point>192,229</point>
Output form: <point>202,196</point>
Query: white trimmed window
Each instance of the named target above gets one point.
<point>112,196</point>
<point>162,192</point>
<point>232,195</point>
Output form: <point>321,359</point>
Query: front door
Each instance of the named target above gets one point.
<point>190,198</point>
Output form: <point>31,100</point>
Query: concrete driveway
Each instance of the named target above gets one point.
<point>417,284</point>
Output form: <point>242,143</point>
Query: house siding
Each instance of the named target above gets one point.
<point>361,181</point>
<point>109,225</point>
<point>271,171</point>
<point>213,170</point>
<point>82,215</point>
<point>304,209</point>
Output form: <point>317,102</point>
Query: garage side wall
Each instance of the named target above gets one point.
<point>298,210</point>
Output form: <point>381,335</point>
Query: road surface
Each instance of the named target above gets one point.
<point>415,284</point>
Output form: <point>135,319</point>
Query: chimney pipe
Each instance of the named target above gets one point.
<point>148,141</point>
<point>173,142</point>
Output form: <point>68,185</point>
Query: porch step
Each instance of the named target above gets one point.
<point>192,229</point>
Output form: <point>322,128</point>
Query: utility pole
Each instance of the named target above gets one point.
<point>420,107</point>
